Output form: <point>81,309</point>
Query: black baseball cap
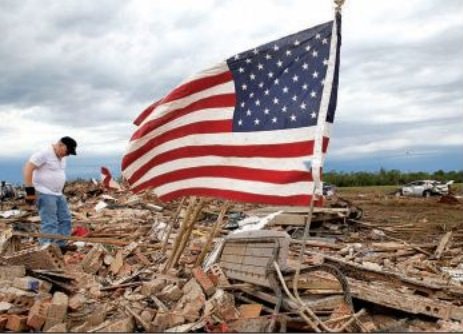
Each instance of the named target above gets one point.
<point>70,144</point>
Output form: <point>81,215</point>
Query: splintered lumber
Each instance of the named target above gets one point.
<point>185,232</point>
<point>295,210</point>
<point>107,241</point>
<point>218,224</point>
<point>146,325</point>
<point>171,224</point>
<point>419,249</point>
<point>384,292</point>
<point>124,285</point>
<point>317,243</point>
<point>183,227</point>
<point>442,245</point>
<point>386,296</point>
<point>185,237</point>
<point>359,271</point>
<point>316,304</point>
<point>17,220</point>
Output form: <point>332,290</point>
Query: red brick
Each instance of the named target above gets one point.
<point>38,315</point>
<point>16,323</point>
<point>76,302</point>
<point>217,275</point>
<point>204,281</point>
<point>249,311</point>
<point>3,321</point>
<point>57,310</point>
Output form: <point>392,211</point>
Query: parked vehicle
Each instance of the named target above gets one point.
<point>424,188</point>
<point>7,190</point>
<point>329,189</point>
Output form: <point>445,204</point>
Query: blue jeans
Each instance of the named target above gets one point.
<point>54,216</point>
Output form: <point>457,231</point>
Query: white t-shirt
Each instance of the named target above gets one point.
<point>49,176</point>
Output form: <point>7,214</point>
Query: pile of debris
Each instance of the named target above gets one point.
<point>212,266</point>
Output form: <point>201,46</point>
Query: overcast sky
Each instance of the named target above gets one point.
<point>87,68</point>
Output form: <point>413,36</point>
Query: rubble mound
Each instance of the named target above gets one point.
<point>449,199</point>
<point>204,265</point>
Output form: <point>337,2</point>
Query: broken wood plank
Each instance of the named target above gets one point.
<point>356,270</point>
<point>386,296</point>
<point>442,244</point>
<point>171,224</point>
<point>159,303</point>
<point>212,234</point>
<point>146,325</point>
<point>107,241</point>
<point>180,233</point>
<point>124,285</point>
<point>295,210</point>
<point>317,243</point>
<point>17,220</point>
<point>316,304</point>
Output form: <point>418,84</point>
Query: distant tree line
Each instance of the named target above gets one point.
<point>385,177</point>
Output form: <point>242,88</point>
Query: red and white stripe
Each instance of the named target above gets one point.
<point>107,179</point>
<point>184,145</point>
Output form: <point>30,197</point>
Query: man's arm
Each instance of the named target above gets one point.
<point>28,170</point>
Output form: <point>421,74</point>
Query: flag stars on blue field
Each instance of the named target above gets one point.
<point>281,82</point>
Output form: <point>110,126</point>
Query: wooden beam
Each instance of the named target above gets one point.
<point>180,233</point>
<point>317,243</point>
<point>106,241</point>
<point>212,234</point>
<point>172,223</point>
<point>386,296</point>
<point>185,237</point>
<point>442,245</point>
<point>117,286</point>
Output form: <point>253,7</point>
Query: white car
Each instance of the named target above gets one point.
<point>424,188</point>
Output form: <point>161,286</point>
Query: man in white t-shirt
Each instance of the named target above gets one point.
<point>44,178</point>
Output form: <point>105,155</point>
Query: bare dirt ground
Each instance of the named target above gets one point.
<point>414,219</point>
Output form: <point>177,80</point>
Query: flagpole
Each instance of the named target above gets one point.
<point>316,166</point>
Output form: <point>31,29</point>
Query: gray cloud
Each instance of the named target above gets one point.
<point>93,66</point>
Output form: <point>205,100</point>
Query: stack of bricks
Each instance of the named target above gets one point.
<point>3,322</point>
<point>204,281</point>
<point>217,276</point>
<point>17,297</point>
<point>16,323</point>
<point>9,273</point>
<point>38,314</point>
<point>42,257</point>
<point>92,261</point>
<point>57,310</point>
<point>32,284</point>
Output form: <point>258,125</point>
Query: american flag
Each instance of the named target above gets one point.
<point>254,128</point>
